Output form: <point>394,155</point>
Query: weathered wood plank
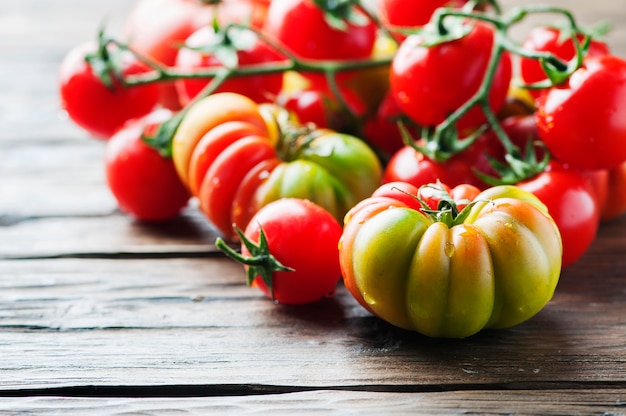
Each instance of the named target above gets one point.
<point>573,402</point>
<point>110,322</point>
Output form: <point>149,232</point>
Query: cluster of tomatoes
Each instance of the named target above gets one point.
<point>288,119</point>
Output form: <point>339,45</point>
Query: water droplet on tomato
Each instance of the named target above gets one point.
<point>448,249</point>
<point>369,300</point>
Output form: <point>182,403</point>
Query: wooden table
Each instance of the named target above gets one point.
<point>103,315</point>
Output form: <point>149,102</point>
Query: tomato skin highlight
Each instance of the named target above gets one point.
<point>302,236</point>
<point>93,106</point>
<point>495,269</point>
<point>144,183</point>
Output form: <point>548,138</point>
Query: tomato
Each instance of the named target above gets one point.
<point>205,114</point>
<point>320,107</point>
<point>412,166</point>
<point>551,39</point>
<point>260,88</point>
<point>494,268</point>
<point>381,129</point>
<point>93,106</point>
<point>583,121</point>
<point>410,14</point>
<point>571,201</point>
<point>429,83</point>
<point>301,237</point>
<point>144,183</point>
<point>238,170</point>
<point>157,28</point>
<point>610,187</point>
<point>301,26</point>
<point>331,169</point>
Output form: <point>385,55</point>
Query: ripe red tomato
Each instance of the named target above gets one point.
<point>610,186</point>
<point>301,236</point>
<point>429,83</point>
<point>410,14</point>
<point>572,202</point>
<point>410,165</point>
<point>260,88</point>
<point>320,107</point>
<point>551,39</point>
<point>583,121</point>
<point>157,28</point>
<point>93,106</point>
<point>144,183</point>
<point>301,26</point>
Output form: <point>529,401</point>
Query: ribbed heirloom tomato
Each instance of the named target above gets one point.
<point>242,156</point>
<point>494,265</point>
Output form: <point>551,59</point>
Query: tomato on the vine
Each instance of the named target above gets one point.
<point>99,109</point>
<point>144,183</point>
<point>156,29</point>
<point>552,40</point>
<point>610,186</point>
<point>303,27</point>
<point>430,82</point>
<point>403,15</point>
<point>248,49</point>
<point>413,166</point>
<point>291,249</point>
<point>583,121</point>
<point>571,201</point>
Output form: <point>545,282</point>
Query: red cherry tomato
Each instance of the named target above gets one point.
<point>144,183</point>
<point>410,14</point>
<point>302,27</point>
<point>429,83</point>
<point>572,202</point>
<point>303,237</point>
<point>551,39</point>
<point>410,165</point>
<point>157,28</point>
<point>583,121</point>
<point>260,88</point>
<point>93,106</point>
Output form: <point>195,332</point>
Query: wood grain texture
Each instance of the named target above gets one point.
<point>100,314</point>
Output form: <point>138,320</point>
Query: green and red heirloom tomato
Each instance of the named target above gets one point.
<point>295,261</point>
<point>583,121</point>
<point>99,109</point>
<point>430,82</point>
<point>494,265</point>
<point>144,183</point>
<point>237,169</point>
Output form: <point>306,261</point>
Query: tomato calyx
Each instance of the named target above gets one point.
<point>260,263</point>
<point>105,63</point>
<point>338,13</point>
<point>447,210</point>
<point>518,166</point>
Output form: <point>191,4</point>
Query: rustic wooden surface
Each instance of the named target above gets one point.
<point>103,315</point>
